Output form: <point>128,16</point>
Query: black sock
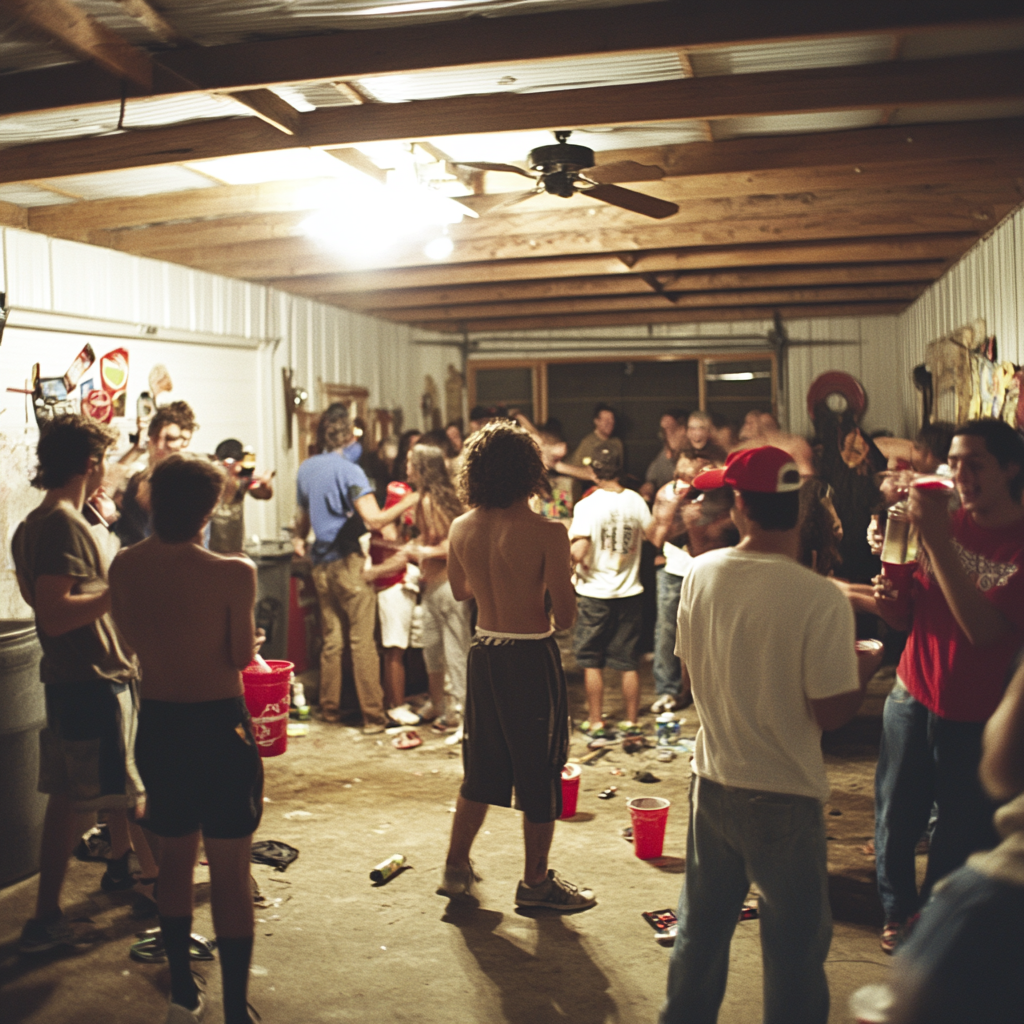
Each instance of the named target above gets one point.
<point>117,867</point>
<point>235,957</point>
<point>176,932</point>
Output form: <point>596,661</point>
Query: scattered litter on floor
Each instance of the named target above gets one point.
<point>627,833</point>
<point>607,794</point>
<point>258,972</point>
<point>835,812</point>
<point>297,729</point>
<point>296,815</point>
<point>645,777</point>
<point>660,920</point>
<point>616,771</point>
<point>665,754</point>
<point>273,852</point>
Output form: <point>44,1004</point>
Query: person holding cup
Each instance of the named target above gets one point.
<point>965,613</point>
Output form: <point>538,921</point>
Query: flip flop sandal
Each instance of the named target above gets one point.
<point>150,950</point>
<point>406,741</point>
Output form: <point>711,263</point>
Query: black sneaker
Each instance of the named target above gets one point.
<point>37,937</point>
<point>555,894</point>
<point>118,876</point>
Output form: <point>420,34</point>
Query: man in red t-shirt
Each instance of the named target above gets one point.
<point>966,619</point>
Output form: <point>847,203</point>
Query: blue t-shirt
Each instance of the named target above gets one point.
<point>328,486</point>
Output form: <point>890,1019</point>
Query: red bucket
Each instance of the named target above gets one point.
<point>268,696</point>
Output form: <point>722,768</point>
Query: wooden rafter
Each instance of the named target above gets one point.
<point>569,321</point>
<point>910,83</point>
<point>886,248</point>
<point>638,303</point>
<point>478,41</point>
<point>920,271</point>
<point>79,33</point>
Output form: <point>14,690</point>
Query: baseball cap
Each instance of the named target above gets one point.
<point>605,460</point>
<point>767,470</point>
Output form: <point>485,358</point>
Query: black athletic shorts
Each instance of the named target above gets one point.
<point>201,768</point>
<point>517,726</point>
<point>607,632</point>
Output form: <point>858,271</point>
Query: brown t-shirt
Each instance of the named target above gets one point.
<point>58,541</point>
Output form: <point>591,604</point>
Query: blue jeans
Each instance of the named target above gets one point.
<point>668,676</point>
<point>923,759</point>
<point>776,841</point>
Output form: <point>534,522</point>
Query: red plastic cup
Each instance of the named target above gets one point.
<point>649,815</point>
<point>933,483</point>
<point>901,573</point>
<point>268,696</point>
<point>570,789</point>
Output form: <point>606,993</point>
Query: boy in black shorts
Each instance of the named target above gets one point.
<point>517,718</point>
<point>188,613</point>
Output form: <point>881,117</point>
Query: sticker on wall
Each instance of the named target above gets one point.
<point>98,406</point>
<point>49,397</point>
<point>114,379</point>
<point>82,362</point>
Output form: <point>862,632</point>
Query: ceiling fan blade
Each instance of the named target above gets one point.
<point>504,168</point>
<point>495,201</point>
<point>623,170</point>
<point>626,198</point>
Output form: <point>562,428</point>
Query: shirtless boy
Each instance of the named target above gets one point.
<point>517,716</point>
<point>188,613</point>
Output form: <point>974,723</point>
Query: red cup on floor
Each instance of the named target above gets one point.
<point>268,696</point>
<point>649,814</point>
<point>570,789</point>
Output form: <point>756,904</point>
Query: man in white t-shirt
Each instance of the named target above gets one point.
<point>607,530</point>
<point>770,650</point>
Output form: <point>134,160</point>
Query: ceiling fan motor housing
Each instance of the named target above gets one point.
<point>558,166</point>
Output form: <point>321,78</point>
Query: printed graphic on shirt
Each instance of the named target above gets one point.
<point>985,573</point>
<point>619,536</point>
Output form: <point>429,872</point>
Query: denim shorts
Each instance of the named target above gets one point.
<point>607,632</point>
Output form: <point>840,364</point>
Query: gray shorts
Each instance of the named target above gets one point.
<point>517,726</point>
<point>86,749</point>
<point>607,632</point>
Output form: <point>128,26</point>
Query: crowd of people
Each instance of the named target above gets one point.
<point>477,549</point>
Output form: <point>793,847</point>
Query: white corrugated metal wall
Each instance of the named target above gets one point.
<point>235,391</point>
<point>989,283</point>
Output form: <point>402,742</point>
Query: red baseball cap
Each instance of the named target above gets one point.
<point>767,470</point>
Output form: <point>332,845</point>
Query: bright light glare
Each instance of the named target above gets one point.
<point>440,248</point>
<point>369,220</point>
<point>410,8</point>
<point>278,165</point>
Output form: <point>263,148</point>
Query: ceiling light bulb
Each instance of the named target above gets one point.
<point>440,248</point>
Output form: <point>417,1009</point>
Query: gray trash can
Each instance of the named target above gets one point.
<point>273,560</point>
<point>22,715</point>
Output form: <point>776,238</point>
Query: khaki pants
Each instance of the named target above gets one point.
<point>346,597</point>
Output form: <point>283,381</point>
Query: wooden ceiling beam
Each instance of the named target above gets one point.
<point>730,314</point>
<point>639,303</point>
<point>908,83</point>
<point>633,284</point>
<point>872,157</point>
<point>301,257</point>
<point>480,41</point>
<point>608,227</point>
<point>75,31</point>
<point>324,280</point>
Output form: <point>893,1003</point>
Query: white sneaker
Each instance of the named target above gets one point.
<point>404,715</point>
<point>666,702</point>
<point>456,737</point>
<point>458,881</point>
<point>177,1014</point>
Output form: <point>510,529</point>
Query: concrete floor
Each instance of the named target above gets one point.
<point>335,948</point>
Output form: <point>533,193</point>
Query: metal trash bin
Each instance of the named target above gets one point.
<point>22,715</point>
<point>273,560</point>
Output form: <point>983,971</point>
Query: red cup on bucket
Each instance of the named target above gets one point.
<point>570,789</point>
<point>649,814</point>
<point>268,697</point>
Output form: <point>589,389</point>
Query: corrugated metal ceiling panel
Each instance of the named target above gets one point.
<point>313,96</point>
<point>810,53</point>
<point>31,195</point>
<point>541,76</point>
<point>794,124</point>
<point>140,181</point>
<point>226,21</point>
<point>101,118</point>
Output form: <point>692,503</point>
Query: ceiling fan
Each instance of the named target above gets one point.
<point>566,170</point>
